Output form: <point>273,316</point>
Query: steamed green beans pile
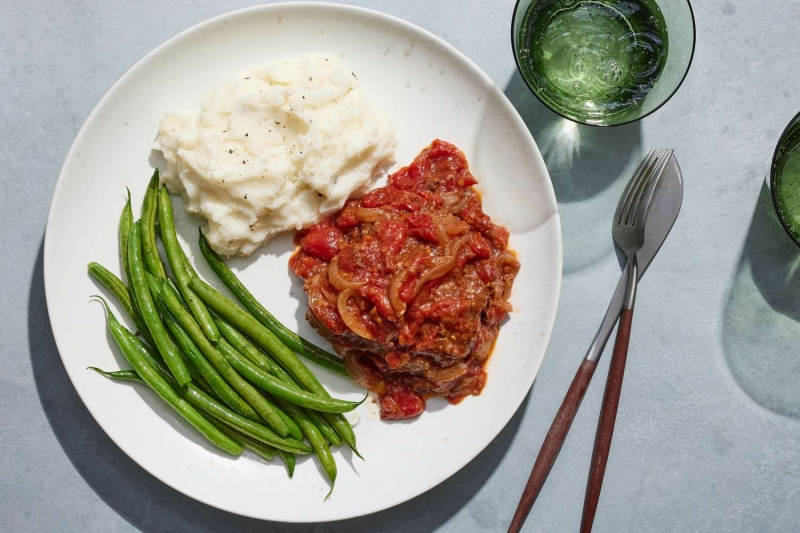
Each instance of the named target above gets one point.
<point>231,372</point>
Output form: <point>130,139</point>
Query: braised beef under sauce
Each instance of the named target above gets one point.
<point>410,283</point>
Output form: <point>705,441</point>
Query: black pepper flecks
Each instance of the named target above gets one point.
<point>247,135</point>
<point>230,151</point>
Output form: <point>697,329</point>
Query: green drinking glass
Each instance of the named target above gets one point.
<point>785,179</point>
<point>603,62</point>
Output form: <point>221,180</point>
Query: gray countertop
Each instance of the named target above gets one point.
<point>708,432</point>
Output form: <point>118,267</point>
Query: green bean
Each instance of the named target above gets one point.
<point>279,389</point>
<point>206,404</point>
<point>258,431</point>
<point>141,293</point>
<point>317,418</point>
<point>149,216</point>
<point>196,358</point>
<point>126,342</point>
<point>125,223</point>
<point>290,461</point>
<point>228,351</point>
<point>247,391</point>
<point>265,362</point>
<point>324,427</point>
<point>175,256</point>
<point>242,344</point>
<point>259,448</point>
<point>317,442</point>
<point>262,336</point>
<point>122,294</point>
<point>155,360</point>
<point>227,431</point>
<point>151,358</point>
<point>334,427</point>
<point>286,336</point>
<point>344,430</point>
<point>264,450</point>
<point>119,375</point>
<point>155,289</point>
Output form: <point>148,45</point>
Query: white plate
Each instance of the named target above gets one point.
<point>430,90</point>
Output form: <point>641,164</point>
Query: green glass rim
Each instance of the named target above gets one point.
<point>598,125</point>
<point>773,177</point>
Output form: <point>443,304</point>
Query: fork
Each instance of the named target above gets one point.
<point>645,178</point>
<point>628,231</point>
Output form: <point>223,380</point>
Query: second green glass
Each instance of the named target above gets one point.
<point>601,61</point>
<point>785,179</point>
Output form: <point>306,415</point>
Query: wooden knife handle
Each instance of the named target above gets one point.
<point>608,416</point>
<point>552,442</point>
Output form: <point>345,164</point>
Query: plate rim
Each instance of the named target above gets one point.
<point>346,9</point>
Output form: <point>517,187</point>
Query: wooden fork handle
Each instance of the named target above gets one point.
<point>608,416</point>
<point>552,442</point>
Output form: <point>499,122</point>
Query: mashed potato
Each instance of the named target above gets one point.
<point>273,149</point>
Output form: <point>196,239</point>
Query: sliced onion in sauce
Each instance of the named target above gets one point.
<point>398,305</point>
<point>444,375</point>
<point>353,323</point>
<point>483,351</point>
<point>443,266</point>
<point>361,376</point>
<point>369,214</point>
<point>441,234</point>
<point>455,201</point>
<point>339,281</point>
<point>451,197</point>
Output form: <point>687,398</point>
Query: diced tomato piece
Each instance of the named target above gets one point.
<point>377,296</point>
<point>487,270</point>
<point>440,148</point>
<point>377,198</point>
<point>347,218</point>
<point>479,246</point>
<point>401,403</point>
<point>322,241</point>
<point>406,179</point>
<point>422,227</point>
<point>350,262</point>
<point>464,179</point>
<point>498,235</point>
<point>473,214</point>
<point>497,312</point>
<point>305,266</point>
<point>403,200</point>
<point>328,316</point>
<point>391,233</point>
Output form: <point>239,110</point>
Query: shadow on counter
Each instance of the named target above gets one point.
<point>761,322</point>
<point>150,506</point>
<point>588,167</point>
